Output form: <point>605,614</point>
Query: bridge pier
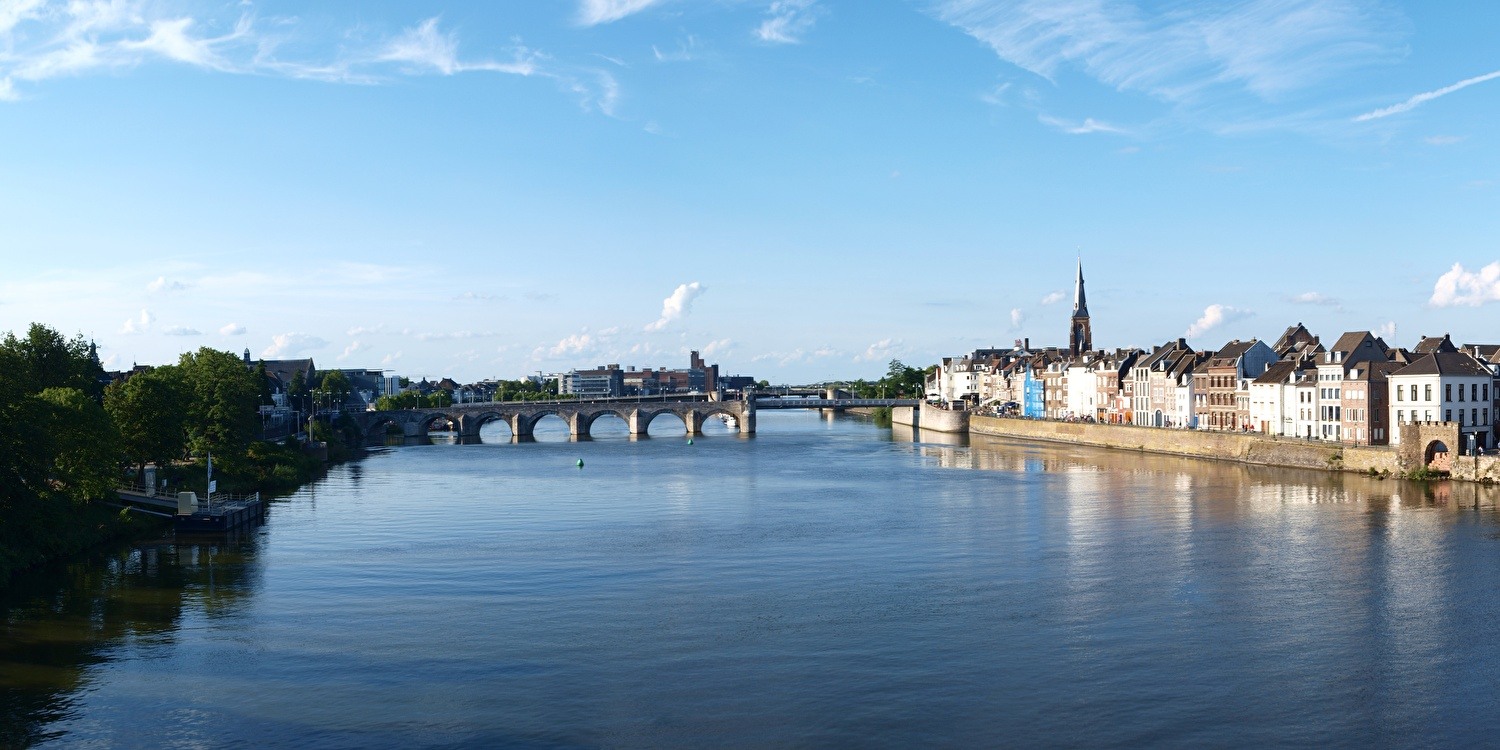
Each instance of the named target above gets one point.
<point>637,427</point>
<point>576,428</point>
<point>520,427</point>
<point>693,420</point>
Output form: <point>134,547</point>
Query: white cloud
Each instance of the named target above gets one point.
<point>1178,53</point>
<point>286,344</point>
<point>1089,125</point>
<point>881,350</point>
<point>181,331</point>
<point>232,329</point>
<point>454,335</point>
<point>390,359</point>
<point>1053,298</point>
<point>1443,140</point>
<point>1017,317</point>
<point>354,346</point>
<point>575,344</point>
<point>1313,298</point>
<point>362,330</point>
<point>162,284</point>
<point>426,47</point>
<point>1423,98</point>
<point>1387,332</point>
<point>595,12</point>
<point>1215,316</point>
<point>677,306</point>
<point>787,22</point>
<point>719,347</point>
<point>139,324</point>
<point>1460,286</point>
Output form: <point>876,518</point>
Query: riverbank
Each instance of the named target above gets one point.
<point>1251,448</point>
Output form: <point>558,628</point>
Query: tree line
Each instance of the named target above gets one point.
<point>67,440</point>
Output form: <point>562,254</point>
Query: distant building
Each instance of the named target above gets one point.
<point>604,381</point>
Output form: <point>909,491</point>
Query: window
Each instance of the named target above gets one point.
<point>1460,417</point>
<point>1460,391</point>
<point>1448,391</point>
<point>1400,393</point>
<point>1400,416</point>
<point>1473,416</point>
<point>1426,392</point>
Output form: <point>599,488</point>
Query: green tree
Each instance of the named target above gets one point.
<point>222,403</point>
<point>150,412</point>
<point>83,443</point>
<point>51,361</point>
<point>336,385</point>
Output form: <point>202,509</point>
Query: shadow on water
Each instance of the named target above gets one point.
<point>61,623</point>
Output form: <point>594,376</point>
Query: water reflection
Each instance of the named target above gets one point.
<point>918,590</point>
<point>58,625</point>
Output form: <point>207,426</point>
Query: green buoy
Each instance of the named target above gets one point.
<point>690,441</point>
<point>580,463</point>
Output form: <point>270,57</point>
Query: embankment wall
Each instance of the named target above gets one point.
<point>928,417</point>
<point>1248,448</point>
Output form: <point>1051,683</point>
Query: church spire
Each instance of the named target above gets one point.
<point>1080,302</point>
<point>1080,332</point>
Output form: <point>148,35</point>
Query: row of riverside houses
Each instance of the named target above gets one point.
<point>1352,391</point>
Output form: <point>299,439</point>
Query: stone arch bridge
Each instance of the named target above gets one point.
<point>522,417</point>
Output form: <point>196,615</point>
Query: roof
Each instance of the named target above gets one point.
<point>1278,372</point>
<point>1432,344</point>
<point>1295,335</point>
<point>1445,363</point>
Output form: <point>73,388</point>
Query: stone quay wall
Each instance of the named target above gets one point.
<point>929,417</point>
<point>1233,446</point>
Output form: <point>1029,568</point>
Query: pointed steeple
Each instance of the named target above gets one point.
<point>1080,331</point>
<point>1080,302</point>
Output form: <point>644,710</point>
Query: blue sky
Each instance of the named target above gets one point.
<point>803,189</point>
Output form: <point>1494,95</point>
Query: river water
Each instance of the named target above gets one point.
<point>825,583</point>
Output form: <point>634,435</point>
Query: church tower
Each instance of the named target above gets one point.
<point>1080,337</point>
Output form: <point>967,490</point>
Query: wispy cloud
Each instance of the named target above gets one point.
<point>787,21</point>
<point>181,331</point>
<point>1423,98</point>
<point>1387,331</point>
<point>1312,298</point>
<point>232,329</point>
<point>685,52</point>
<point>424,46</point>
<point>1089,125</point>
<point>1215,316</point>
<point>678,305</point>
<point>1443,140</point>
<point>163,284</point>
<point>287,344</point>
<point>595,12</point>
<point>1181,53</point>
<point>1052,298</point>
<point>351,349</point>
<point>1462,287</point>
<point>1017,317</point>
<point>881,350</point>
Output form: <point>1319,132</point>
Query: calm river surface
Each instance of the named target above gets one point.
<point>824,583</point>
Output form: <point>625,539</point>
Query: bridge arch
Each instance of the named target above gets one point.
<point>379,428</point>
<point>705,414</point>
<point>426,422</point>
<point>473,423</point>
<point>586,421</point>
<point>529,422</point>
<point>647,417</point>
